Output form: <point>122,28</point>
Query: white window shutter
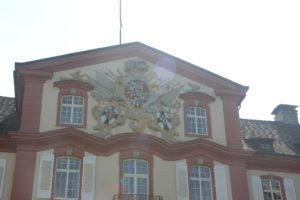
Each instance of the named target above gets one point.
<point>2,174</point>
<point>45,175</point>
<point>182,180</point>
<point>88,177</point>
<point>257,190</point>
<point>221,182</point>
<point>289,188</point>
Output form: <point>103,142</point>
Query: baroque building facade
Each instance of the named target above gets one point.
<point>132,122</point>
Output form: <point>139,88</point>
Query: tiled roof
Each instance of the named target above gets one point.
<point>7,107</point>
<point>9,118</point>
<point>285,137</point>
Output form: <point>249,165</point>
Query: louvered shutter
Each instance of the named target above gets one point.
<point>221,182</point>
<point>45,175</point>
<point>2,174</point>
<point>182,181</point>
<point>88,177</point>
<point>257,190</point>
<point>289,188</point>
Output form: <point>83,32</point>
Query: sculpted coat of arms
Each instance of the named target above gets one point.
<point>134,96</point>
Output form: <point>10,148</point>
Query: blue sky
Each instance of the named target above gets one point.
<point>255,43</point>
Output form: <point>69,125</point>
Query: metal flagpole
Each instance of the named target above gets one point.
<point>120,12</point>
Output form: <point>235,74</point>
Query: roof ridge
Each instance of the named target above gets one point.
<point>260,120</point>
<point>7,97</point>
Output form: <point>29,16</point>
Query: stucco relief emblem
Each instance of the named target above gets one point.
<point>137,93</point>
<point>136,96</point>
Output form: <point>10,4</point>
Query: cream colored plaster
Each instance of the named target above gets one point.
<point>107,176</point>
<point>49,107</point>
<point>227,178</point>
<point>294,177</point>
<point>164,178</point>
<point>9,174</point>
<point>50,98</point>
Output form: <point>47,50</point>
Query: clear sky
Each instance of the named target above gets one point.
<point>255,43</point>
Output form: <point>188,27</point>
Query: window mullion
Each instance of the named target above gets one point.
<point>195,120</point>
<point>72,109</point>
<point>135,177</point>
<point>67,178</point>
<point>200,183</point>
<point>272,191</point>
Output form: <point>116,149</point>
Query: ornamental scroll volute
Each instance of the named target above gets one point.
<point>136,96</point>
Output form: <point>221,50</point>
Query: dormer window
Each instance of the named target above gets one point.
<point>261,144</point>
<point>265,146</point>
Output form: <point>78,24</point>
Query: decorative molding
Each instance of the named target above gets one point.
<point>138,142</point>
<point>274,163</point>
<point>136,96</point>
<point>198,99</point>
<point>76,88</point>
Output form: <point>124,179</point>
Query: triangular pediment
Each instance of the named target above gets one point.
<point>138,50</point>
<point>127,88</point>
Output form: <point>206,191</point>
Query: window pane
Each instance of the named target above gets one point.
<point>135,178</point>
<point>72,110</point>
<point>62,163</point>
<point>66,114</point>
<point>128,185</point>
<point>77,115</point>
<point>267,196</point>
<point>206,190</point>
<point>200,183</point>
<point>277,196</point>
<point>73,185</point>
<point>67,100</point>
<point>67,175</point>
<point>195,190</point>
<point>205,172</point>
<point>194,172</point>
<point>78,100</point>
<point>129,166</point>
<point>196,120</point>
<point>142,186</point>
<point>275,185</point>
<point>74,164</point>
<point>266,185</point>
<point>141,167</point>
<point>60,184</point>
<point>271,189</point>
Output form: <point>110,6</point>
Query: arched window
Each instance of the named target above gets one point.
<point>196,120</point>
<point>272,189</point>
<point>135,178</point>
<point>72,110</point>
<point>67,178</point>
<point>197,116</point>
<point>72,103</point>
<point>200,183</point>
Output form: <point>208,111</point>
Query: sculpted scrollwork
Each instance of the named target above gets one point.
<point>136,96</point>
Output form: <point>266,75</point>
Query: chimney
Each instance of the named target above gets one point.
<point>286,114</point>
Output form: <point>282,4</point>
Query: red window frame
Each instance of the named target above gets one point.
<point>197,99</point>
<point>72,88</point>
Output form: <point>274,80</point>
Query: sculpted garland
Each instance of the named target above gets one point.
<point>136,95</point>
